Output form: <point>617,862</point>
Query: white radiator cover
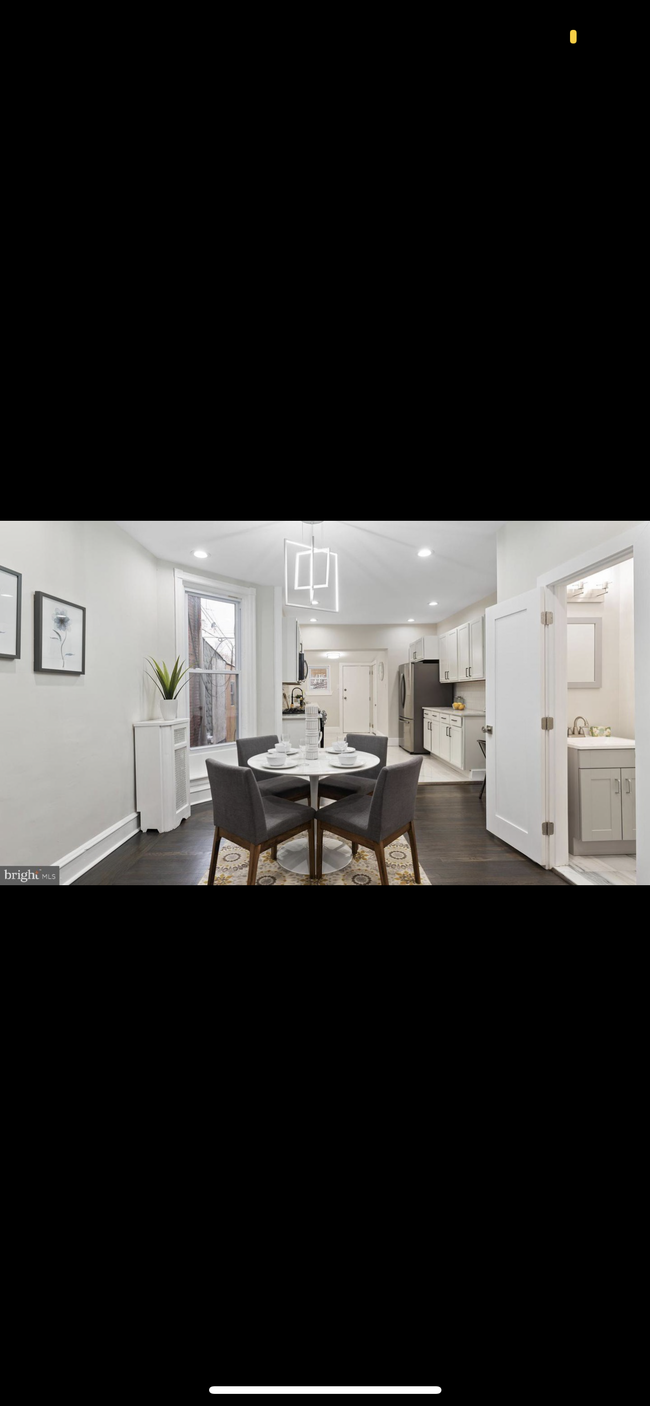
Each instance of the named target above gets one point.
<point>162,773</point>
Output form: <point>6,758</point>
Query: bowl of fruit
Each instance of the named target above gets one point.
<point>458,704</point>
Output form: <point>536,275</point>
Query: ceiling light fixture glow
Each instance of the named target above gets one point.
<point>410,620</point>
<point>309,569</point>
<point>424,552</point>
<point>433,602</point>
<point>200,554</point>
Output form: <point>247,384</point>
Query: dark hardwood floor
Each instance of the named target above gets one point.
<point>453,844</point>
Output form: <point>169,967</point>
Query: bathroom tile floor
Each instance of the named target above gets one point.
<point>617,869</point>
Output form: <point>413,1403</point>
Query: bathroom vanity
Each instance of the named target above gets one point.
<point>602,795</point>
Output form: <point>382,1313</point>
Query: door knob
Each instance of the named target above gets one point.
<point>486,729</point>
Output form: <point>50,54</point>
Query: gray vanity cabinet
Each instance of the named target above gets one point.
<point>628,802</point>
<point>602,801</point>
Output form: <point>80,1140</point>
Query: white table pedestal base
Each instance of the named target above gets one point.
<point>294,856</point>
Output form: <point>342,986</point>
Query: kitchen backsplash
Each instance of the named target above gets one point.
<point>473,693</point>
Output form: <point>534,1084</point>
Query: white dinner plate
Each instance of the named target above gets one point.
<point>273,766</point>
<point>338,754</point>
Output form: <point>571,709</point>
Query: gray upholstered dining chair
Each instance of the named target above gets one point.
<point>375,821</point>
<point>247,818</point>
<point>291,788</point>
<point>364,783</point>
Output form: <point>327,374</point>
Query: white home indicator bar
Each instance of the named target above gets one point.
<point>325,1390</point>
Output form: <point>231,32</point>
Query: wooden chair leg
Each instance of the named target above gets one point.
<point>312,857</point>
<point>319,852</point>
<point>274,851</point>
<point>414,853</point>
<point>381,861</point>
<point>252,863</point>
<point>355,847</point>
<point>215,855</point>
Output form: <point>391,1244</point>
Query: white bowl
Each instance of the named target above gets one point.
<point>348,759</point>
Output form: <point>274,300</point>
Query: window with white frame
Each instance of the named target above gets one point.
<point>213,655</point>
<point>215,635</point>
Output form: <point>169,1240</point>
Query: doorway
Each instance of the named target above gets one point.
<point>356,707</point>
<point>527,751</point>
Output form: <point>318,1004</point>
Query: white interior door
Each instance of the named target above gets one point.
<point>515,759</point>
<point>355,682</point>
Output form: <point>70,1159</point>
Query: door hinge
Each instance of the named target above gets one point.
<point>548,827</point>
<point>547,724</point>
<point>547,617</point>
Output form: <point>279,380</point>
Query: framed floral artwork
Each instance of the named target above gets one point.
<point>10,591</point>
<point>59,635</point>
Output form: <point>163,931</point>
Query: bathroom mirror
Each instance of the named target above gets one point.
<point>585,652</point>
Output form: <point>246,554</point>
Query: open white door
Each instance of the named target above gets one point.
<point>515,752</point>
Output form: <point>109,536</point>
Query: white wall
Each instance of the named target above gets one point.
<point>393,638</point>
<point>470,612</point>
<point>626,711</point>
<point>525,550</point>
<point>612,705</point>
<point>316,658</point>
<point>66,743</point>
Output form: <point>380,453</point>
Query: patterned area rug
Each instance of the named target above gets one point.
<point>232,868</point>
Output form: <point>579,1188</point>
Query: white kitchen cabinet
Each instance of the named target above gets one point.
<point>444,742</point>
<point>444,657</point>
<point>477,648</point>
<point>435,734</point>
<point>463,651</point>
<point>424,648</point>
<point>456,740</point>
<point>162,773</point>
<point>449,657</point>
<point>426,731</point>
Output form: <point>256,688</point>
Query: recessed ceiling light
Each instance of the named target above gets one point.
<point>410,620</point>
<point>314,602</point>
<point>313,620</point>
<point>433,602</point>
<point>424,552</point>
<point>201,554</point>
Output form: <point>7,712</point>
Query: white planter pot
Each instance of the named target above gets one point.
<point>168,709</point>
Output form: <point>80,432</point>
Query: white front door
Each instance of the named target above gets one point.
<point>515,753</point>
<point>355,683</point>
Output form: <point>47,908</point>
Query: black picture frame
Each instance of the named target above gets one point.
<point>39,598</point>
<point>19,595</point>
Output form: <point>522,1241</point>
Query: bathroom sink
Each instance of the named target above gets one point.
<point>600,743</point>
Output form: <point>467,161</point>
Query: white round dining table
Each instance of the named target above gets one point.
<point>294,854</point>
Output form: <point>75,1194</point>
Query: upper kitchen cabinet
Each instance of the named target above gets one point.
<point>462,652</point>
<point>425,648</point>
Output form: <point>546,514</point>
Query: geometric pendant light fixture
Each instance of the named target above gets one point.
<point>311,574</point>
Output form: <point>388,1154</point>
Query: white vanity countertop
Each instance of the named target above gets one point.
<point>457,712</point>
<point>600,742</point>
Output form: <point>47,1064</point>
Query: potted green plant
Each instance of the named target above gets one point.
<point>169,686</point>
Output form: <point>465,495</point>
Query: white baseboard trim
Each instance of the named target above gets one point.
<point>393,742</point>
<point>199,790</point>
<point>477,773</point>
<point>73,865</point>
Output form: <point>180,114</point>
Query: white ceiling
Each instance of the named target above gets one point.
<point>381,578</point>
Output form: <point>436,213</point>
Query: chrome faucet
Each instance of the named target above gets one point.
<point>576,730</point>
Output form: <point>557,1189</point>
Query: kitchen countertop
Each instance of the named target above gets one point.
<point>600,742</point>
<point>457,712</point>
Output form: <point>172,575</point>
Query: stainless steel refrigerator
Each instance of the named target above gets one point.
<point>419,687</point>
